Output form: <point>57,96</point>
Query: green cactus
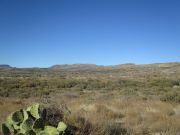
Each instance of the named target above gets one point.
<point>19,134</point>
<point>30,122</point>
<point>16,127</point>
<point>17,117</point>
<point>61,127</point>
<point>50,130</point>
<point>34,110</point>
<point>5,129</point>
<point>9,126</point>
<point>25,115</point>
<point>38,124</point>
<point>42,133</point>
<point>30,132</point>
<point>27,125</point>
<point>9,120</point>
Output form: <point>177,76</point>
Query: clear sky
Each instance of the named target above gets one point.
<point>41,33</point>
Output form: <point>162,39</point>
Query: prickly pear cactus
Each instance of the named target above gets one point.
<point>30,122</point>
<point>34,110</point>
<point>61,127</point>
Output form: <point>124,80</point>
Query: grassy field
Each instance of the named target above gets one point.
<point>121,100</point>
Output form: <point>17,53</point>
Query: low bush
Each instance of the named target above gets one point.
<point>171,96</point>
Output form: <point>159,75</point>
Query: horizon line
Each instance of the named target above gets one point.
<point>90,64</point>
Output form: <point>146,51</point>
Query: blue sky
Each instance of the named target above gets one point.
<point>41,33</point>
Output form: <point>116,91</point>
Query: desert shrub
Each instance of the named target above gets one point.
<point>115,129</point>
<point>4,92</point>
<point>53,116</point>
<point>84,127</point>
<point>129,91</point>
<point>171,96</point>
<point>128,83</point>
<point>95,84</point>
<point>176,82</point>
<point>162,82</point>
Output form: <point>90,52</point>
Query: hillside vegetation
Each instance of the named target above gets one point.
<point>123,99</point>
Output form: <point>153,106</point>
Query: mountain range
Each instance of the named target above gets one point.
<point>94,66</point>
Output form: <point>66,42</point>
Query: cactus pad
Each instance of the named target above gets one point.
<point>38,124</point>
<point>61,127</point>
<point>30,132</point>
<point>5,129</point>
<point>34,110</point>
<point>50,130</point>
<point>17,117</point>
<point>27,125</point>
<point>25,115</point>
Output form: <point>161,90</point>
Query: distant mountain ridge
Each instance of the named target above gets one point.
<point>74,67</point>
<point>5,66</point>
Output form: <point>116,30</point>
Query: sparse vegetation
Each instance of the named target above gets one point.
<point>122,100</point>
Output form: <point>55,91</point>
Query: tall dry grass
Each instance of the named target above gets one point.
<point>108,113</point>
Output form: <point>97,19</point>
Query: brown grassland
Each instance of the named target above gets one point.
<point>121,100</point>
